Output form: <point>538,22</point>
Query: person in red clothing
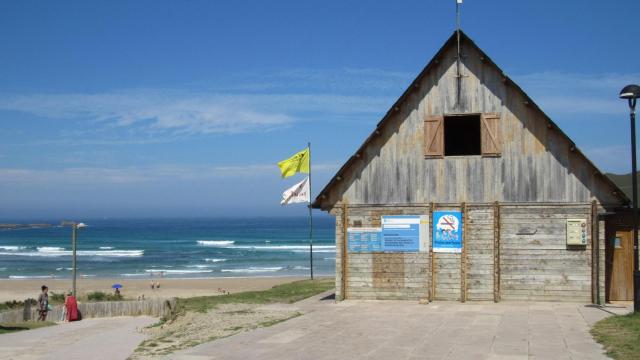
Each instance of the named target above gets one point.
<point>71,305</point>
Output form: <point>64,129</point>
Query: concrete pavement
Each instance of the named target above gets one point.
<point>406,330</point>
<point>107,338</point>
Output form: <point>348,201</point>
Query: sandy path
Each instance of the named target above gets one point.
<point>22,289</point>
<point>112,338</point>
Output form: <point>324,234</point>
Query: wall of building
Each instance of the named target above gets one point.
<point>511,252</point>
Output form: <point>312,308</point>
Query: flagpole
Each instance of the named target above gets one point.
<point>310,218</point>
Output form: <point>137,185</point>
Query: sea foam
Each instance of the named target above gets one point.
<point>48,251</point>
<point>292,248</point>
<point>177,271</point>
<point>254,269</point>
<point>12,248</point>
<point>222,243</point>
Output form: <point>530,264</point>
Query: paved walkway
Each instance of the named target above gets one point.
<point>111,338</point>
<point>406,330</point>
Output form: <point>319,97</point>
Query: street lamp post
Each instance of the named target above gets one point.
<point>74,237</point>
<point>631,93</point>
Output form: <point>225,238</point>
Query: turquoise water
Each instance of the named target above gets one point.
<point>183,248</point>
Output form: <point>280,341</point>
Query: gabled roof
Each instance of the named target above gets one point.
<point>452,41</point>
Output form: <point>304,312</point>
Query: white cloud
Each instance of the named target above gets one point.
<point>137,175</point>
<point>615,158</point>
<point>238,103</point>
<point>174,112</point>
<point>563,93</point>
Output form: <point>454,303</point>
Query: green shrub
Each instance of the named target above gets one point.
<point>14,304</point>
<point>56,298</point>
<point>96,296</point>
<point>101,296</point>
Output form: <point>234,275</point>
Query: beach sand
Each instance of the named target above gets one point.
<point>132,288</point>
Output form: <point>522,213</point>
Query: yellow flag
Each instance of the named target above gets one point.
<point>295,164</point>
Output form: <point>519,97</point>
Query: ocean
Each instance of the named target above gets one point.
<point>175,248</point>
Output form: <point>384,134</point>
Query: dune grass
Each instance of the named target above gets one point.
<point>284,293</point>
<point>206,318</point>
<point>14,327</point>
<point>620,336</point>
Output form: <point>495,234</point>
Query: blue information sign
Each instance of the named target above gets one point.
<point>364,239</point>
<point>401,233</point>
<point>447,231</point>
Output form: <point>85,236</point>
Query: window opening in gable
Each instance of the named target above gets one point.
<point>462,135</point>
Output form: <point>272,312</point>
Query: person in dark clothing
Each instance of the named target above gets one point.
<point>43,303</point>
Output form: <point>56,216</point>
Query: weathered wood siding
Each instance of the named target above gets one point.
<point>381,275</point>
<point>541,266</point>
<point>479,242</point>
<point>534,262</point>
<point>537,163</point>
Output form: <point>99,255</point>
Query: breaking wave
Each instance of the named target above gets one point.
<point>223,243</point>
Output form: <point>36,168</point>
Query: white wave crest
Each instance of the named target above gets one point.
<point>214,260</point>
<point>18,277</point>
<point>220,243</point>
<point>57,251</point>
<point>106,248</point>
<point>177,271</point>
<point>292,248</point>
<point>254,269</point>
<point>49,248</point>
<point>12,248</point>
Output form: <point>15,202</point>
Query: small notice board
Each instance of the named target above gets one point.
<point>398,233</point>
<point>364,239</point>
<point>576,232</point>
<point>401,233</point>
<point>447,231</point>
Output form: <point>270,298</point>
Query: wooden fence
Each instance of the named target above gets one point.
<point>151,307</point>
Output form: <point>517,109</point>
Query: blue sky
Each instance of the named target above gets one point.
<point>182,108</point>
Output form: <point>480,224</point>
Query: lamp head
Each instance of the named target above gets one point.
<point>630,92</point>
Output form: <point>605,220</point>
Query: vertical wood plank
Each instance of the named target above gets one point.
<point>496,252</point>
<point>345,247</point>
<point>429,227</point>
<point>594,252</point>
<point>432,293</point>
<point>463,256</point>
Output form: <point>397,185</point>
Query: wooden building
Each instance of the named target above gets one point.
<point>464,137</point>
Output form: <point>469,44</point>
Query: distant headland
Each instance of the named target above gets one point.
<point>23,226</point>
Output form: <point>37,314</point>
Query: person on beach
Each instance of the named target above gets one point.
<point>71,307</point>
<point>64,309</point>
<point>153,285</point>
<point>43,303</point>
<point>158,285</point>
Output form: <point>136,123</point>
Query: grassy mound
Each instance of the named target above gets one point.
<point>620,336</point>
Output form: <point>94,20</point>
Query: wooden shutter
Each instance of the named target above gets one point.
<point>490,134</point>
<point>434,136</point>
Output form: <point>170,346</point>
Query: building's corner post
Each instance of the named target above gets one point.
<point>602,238</point>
